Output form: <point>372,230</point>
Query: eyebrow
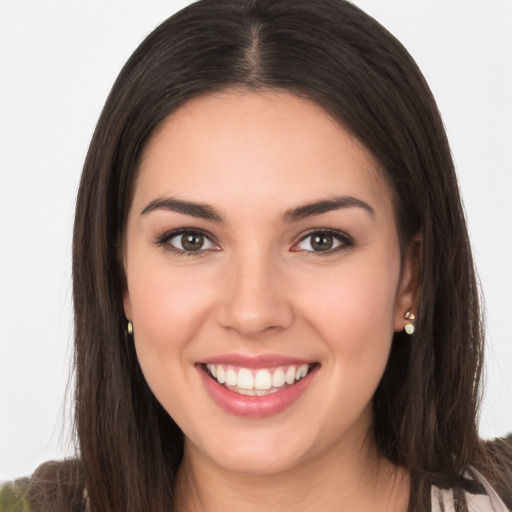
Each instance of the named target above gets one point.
<point>200,210</point>
<point>207,212</point>
<point>328,205</point>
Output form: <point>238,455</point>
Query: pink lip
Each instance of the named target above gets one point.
<point>262,361</point>
<point>255,406</point>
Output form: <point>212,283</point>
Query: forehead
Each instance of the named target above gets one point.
<point>270,146</point>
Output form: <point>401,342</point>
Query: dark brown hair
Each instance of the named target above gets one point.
<point>332,53</point>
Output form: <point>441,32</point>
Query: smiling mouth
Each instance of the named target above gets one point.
<point>257,382</point>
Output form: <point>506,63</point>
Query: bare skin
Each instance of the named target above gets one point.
<point>350,481</point>
<point>261,229</point>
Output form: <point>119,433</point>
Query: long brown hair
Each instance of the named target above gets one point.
<point>332,53</point>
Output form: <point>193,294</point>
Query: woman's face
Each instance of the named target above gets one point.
<point>264,280</point>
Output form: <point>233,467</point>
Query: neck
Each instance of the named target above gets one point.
<point>348,478</point>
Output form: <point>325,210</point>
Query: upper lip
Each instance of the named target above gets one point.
<point>255,361</point>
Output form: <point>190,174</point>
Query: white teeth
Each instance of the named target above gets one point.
<point>245,379</point>
<point>221,374</point>
<point>246,392</point>
<point>231,377</point>
<point>302,371</point>
<point>212,369</point>
<point>263,380</point>
<point>278,378</point>
<point>290,375</point>
<point>257,382</point>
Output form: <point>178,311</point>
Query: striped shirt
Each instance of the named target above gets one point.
<point>480,496</point>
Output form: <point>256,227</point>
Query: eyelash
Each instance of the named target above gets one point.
<point>344,241</point>
<point>164,240</point>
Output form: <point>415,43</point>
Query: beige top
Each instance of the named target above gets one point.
<point>485,500</point>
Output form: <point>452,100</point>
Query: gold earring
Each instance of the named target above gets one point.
<point>129,328</point>
<point>409,327</point>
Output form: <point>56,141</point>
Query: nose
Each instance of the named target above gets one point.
<point>254,299</point>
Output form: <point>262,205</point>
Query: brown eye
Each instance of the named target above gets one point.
<point>192,242</point>
<point>188,241</point>
<point>322,242</point>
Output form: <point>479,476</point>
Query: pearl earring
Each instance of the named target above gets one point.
<point>409,327</point>
<point>129,328</point>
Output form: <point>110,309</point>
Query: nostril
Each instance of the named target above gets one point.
<point>254,320</point>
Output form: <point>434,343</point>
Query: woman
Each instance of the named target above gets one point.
<point>322,352</point>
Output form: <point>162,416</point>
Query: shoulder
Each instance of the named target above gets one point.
<point>54,487</point>
<point>479,495</point>
<point>497,466</point>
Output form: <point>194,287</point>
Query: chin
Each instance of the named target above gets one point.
<point>261,449</point>
<point>258,460</point>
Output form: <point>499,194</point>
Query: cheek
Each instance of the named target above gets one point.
<point>167,305</point>
<point>357,300</point>
<point>167,308</point>
<point>353,312</point>
<point>166,317</point>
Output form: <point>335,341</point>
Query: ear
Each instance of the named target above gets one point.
<point>127,305</point>
<point>408,293</point>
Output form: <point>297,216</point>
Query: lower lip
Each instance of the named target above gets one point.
<point>255,406</point>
